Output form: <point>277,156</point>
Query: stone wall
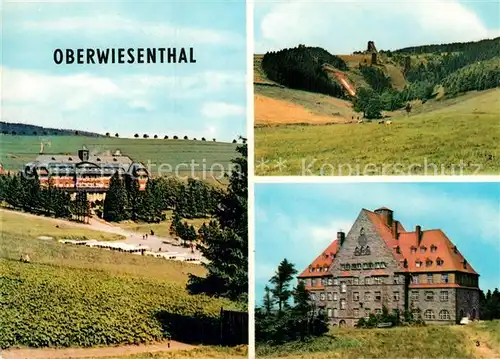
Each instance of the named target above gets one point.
<point>378,253</point>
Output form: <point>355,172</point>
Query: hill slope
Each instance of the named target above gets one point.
<point>33,130</point>
<point>396,78</point>
<point>174,155</point>
<point>453,136</point>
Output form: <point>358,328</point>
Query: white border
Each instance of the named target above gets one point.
<point>251,179</point>
<point>374,179</point>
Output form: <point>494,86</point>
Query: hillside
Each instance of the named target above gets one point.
<point>17,150</point>
<point>388,83</point>
<point>440,137</point>
<point>399,342</point>
<point>33,130</point>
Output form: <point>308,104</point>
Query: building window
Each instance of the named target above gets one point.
<point>378,311</point>
<point>414,295</point>
<point>417,264</point>
<point>313,282</point>
<point>323,281</point>
<point>443,296</point>
<point>377,265</point>
<point>342,304</point>
<point>444,315</point>
<point>416,313</point>
<point>313,296</point>
<point>396,296</point>
<point>343,287</point>
<point>367,312</point>
<point>330,296</point>
<point>355,296</point>
<point>396,279</point>
<point>355,312</point>
<point>355,281</point>
<point>335,281</point>
<point>428,263</point>
<point>422,249</point>
<point>365,265</point>
<point>433,248</point>
<point>429,314</point>
<point>348,266</point>
<point>415,279</point>
<point>379,280</point>
<point>378,296</point>
<point>444,277</point>
<point>429,278</point>
<point>429,296</point>
<point>413,250</point>
<point>330,281</point>
<point>329,312</point>
<point>439,262</point>
<point>335,296</point>
<point>335,312</point>
<point>322,296</point>
<point>368,280</point>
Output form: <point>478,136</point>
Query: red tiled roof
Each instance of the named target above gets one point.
<point>445,250</point>
<point>452,259</point>
<point>325,259</point>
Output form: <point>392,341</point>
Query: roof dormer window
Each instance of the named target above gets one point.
<point>428,262</point>
<point>418,263</point>
<point>422,249</point>
<point>433,248</point>
<point>439,261</point>
<point>413,249</point>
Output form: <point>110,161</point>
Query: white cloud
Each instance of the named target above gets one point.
<point>41,98</point>
<point>343,27</point>
<point>221,109</point>
<point>128,27</point>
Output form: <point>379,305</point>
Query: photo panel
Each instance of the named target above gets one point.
<point>389,269</point>
<point>375,88</point>
<point>124,180</point>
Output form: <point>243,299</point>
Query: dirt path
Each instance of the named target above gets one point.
<point>484,350</point>
<point>167,244</point>
<point>91,352</point>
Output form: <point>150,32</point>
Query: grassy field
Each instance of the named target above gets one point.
<point>416,343</point>
<point>18,150</point>
<point>454,136</point>
<point>203,352</point>
<point>78,296</point>
<point>161,229</point>
<point>16,224</point>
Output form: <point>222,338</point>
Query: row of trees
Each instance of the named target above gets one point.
<point>489,305</point>
<point>124,200</point>
<point>278,320</point>
<point>24,193</point>
<point>302,68</point>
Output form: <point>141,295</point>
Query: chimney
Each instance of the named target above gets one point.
<point>395,233</point>
<point>83,155</point>
<point>340,238</point>
<point>418,231</point>
<point>386,215</point>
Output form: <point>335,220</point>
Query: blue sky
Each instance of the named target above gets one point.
<point>345,26</point>
<point>298,221</point>
<point>205,99</point>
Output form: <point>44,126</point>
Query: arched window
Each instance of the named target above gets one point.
<point>444,315</point>
<point>429,314</point>
<point>361,231</point>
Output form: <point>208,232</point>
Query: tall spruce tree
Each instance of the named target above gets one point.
<point>116,201</point>
<point>281,281</point>
<point>225,240</point>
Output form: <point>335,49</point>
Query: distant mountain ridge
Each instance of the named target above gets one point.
<point>34,130</point>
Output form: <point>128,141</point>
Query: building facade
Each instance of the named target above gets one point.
<point>85,172</point>
<point>381,264</point>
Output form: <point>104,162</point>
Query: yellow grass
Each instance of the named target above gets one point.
<point>18,237</point>
<point>201,352</point>
<point>17,224</point>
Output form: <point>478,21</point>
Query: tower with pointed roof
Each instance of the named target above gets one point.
<point>381,264</point>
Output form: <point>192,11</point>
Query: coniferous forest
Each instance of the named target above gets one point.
<point>456,67</point>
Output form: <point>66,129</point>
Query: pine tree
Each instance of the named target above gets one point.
<point>225,240</point>
<point>116,202</point>
<point>281,283</point>
<point>268,301</point>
